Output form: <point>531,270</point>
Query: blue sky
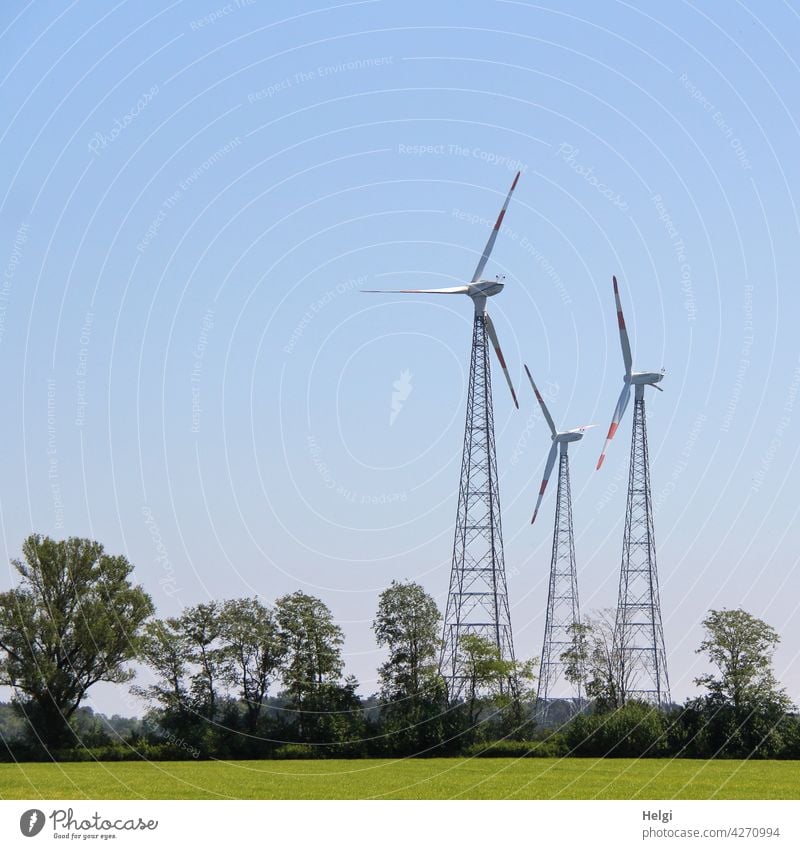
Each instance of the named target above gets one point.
<point>193,194</point>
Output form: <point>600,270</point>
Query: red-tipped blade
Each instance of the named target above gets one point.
<point>619,412</point>
<point>496,345</point>
<point>493,236</point>
<point>623,332</point>
<point>548,469</point>
<point>548,418</point>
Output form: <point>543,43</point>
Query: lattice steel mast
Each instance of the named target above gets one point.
<point>563,608</point>
<point>477,602</point>
<point>638,633</point>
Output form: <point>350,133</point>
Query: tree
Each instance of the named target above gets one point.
<point>744,712</point>
<point>312,664</point>
<point>593,659</point>
<point>165,650</point>
<point>201,627</point>
<point>487,676</point>
<point>576,658</point>
<point>186,653</point>
<point>741,647</point>
<point>414,713</point>
<point>73,621</point>
<point>253,650</point>
<point>313,643</point>
<point>407,623</point>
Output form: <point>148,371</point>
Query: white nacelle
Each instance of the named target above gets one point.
<point>569,436</point>
<point>644,378</point>
<point>485,288</point>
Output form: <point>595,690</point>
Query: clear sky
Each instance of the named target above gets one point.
<point>193,193</point>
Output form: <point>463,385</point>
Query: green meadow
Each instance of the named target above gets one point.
<point>445,778</point>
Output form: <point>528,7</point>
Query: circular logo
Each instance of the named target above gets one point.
<point>31,822</point>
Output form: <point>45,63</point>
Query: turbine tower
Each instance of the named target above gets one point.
<point>563,608</point>
<point>477,601</point>
<point>638,632</point>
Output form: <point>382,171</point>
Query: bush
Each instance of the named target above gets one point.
<point>553,747</point>
<point>297,752</point>
<point>710,727</point>
<point>142,750</point>
<point>790,729</point>
<point>633,731</point>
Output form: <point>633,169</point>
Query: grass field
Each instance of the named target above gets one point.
<point>452,778</point>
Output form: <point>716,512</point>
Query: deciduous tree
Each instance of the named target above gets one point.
<point>593,658</point>
<point>201,627</point>
<point>487,676</point>
<point>312,664</point>
<point>253,650</point>
<point>165,650</point>
<point>407,623</point>
<point>741,646</point>
<point>413,715</point>
<point>73,621</point>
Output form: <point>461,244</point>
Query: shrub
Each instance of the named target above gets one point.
<point>552,748</point>
<point>633,731</point>
<point>297,752</point>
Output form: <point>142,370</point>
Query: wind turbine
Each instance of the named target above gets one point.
<point>563,609</point>
<point>639,379</point>
<point>477,601</point>
<point>638,632</point>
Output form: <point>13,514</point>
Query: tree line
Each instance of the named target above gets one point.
<point>239,678</point>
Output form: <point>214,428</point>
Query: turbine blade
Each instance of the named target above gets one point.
<point>623,332</point>
<point>493,237</point>
<point>493,336</point>
<point>619,412</point>
<point>551,459</point>
<point>581,429</point>
<point>452,290</point>
<point>548,418</point>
